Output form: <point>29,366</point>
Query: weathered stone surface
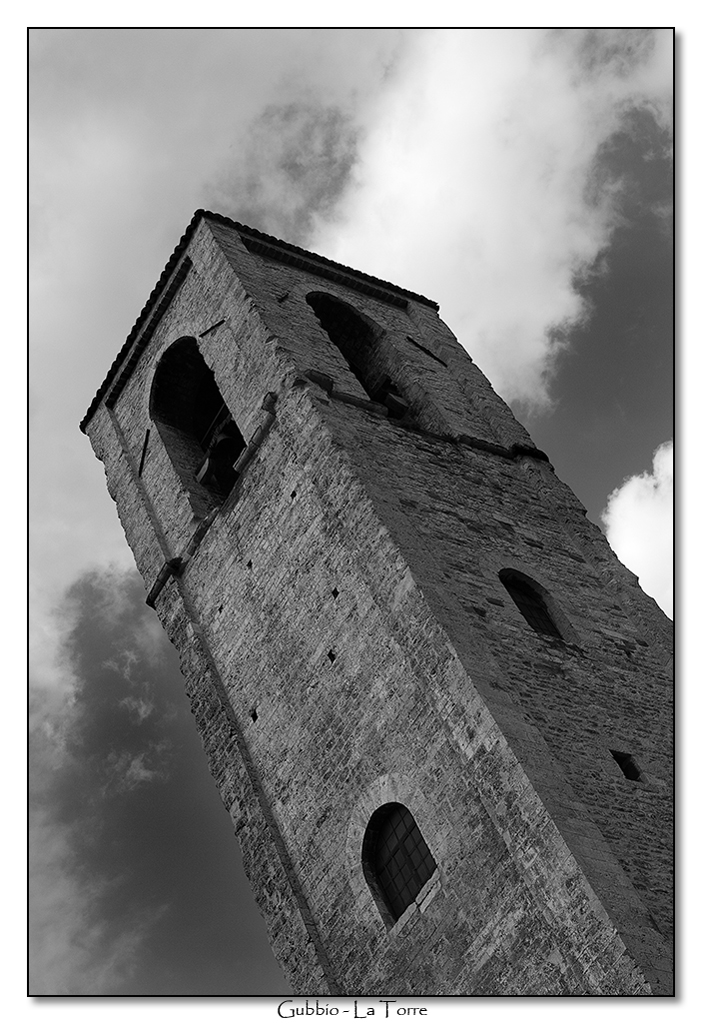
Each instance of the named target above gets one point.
<point>346,642</point>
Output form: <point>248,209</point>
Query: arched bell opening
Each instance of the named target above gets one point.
<point>196,426</point>
<point>357,340</point>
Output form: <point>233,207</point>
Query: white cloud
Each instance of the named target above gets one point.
<point>127,771</point>
<point>639,525</point>
<point>140,707</point>
<point>475,182</point>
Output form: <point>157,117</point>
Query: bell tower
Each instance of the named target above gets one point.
<point>436,706</point>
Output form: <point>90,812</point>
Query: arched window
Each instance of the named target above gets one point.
<point>196,427</point>
<point>357,339</point>
<point>532,601</point>
<point>397,862</point>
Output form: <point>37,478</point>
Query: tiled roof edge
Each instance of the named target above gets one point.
<point>253,233</point>
<point>314,257</point>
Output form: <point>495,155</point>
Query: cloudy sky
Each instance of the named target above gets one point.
<point>521,178</point>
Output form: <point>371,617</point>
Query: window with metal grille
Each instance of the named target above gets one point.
<point>396,859</point>
<point>530,602</point>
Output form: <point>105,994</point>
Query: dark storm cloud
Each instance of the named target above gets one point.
<point>615,51</point>
<point>297,163</point>
<point>616,383</point>
<point>635,164</point>
<point>137,886</point>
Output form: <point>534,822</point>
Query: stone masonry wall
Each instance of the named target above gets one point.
<point>460,516</point>
<point>346,641</point>
<point>323,734</point>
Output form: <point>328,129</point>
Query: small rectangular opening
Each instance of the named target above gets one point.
<point>627,764</point>
<point>143,452</point>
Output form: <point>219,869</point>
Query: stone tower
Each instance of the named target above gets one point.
<point>436,706</point>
